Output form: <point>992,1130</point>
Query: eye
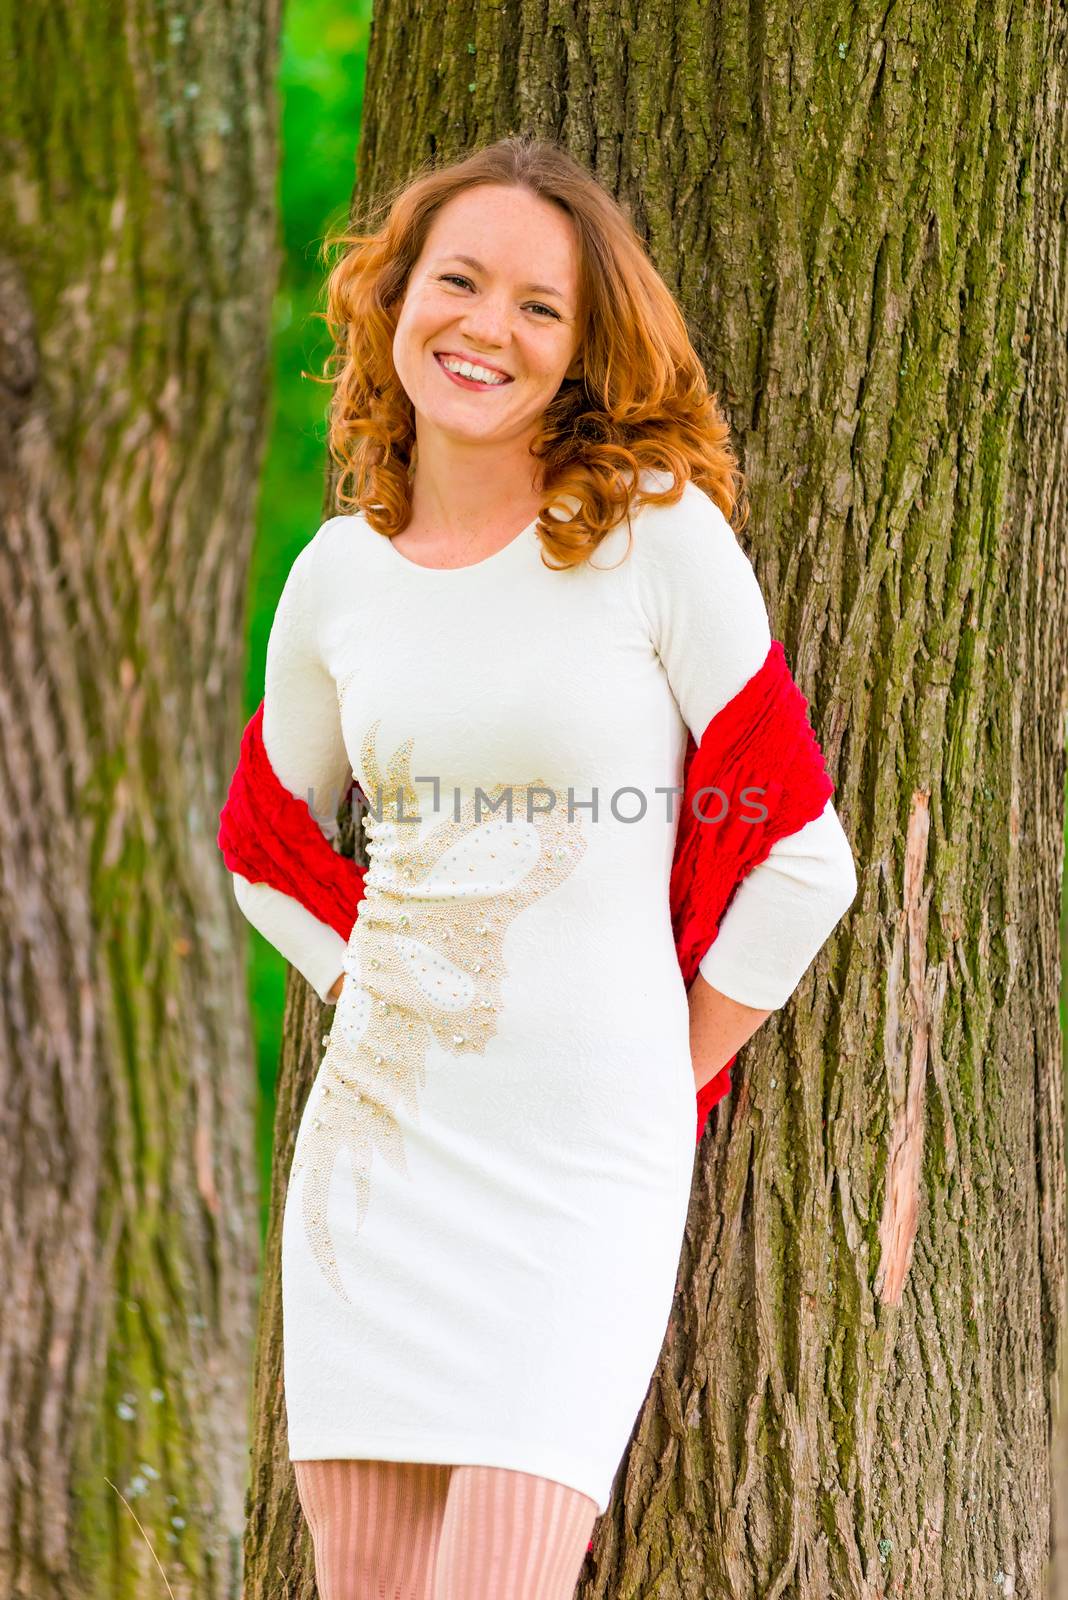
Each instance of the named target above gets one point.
<point>458,277</point>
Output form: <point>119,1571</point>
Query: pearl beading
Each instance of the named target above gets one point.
<point>424,961</point>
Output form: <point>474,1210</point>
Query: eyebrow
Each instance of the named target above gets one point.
<point>534,288</point>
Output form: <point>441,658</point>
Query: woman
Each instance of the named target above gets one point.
<point>536,596</point>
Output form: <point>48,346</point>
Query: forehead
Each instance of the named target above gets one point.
<point>507,229</point>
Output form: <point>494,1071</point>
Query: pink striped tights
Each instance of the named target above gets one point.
<point>399,1530</point>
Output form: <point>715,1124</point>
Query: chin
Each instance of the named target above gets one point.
<point>464,428</point>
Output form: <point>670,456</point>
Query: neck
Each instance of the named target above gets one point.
<point>466,492</point>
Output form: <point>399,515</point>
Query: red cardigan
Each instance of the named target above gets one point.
<point>758,751</point>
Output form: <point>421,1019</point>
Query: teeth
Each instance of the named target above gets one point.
<point>480,374</point>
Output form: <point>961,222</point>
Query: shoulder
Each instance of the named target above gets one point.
<point>690,549</point>
<point>337,538</point>
<point>704,610</point>
<point>320,566</point>
<point>694,521</point>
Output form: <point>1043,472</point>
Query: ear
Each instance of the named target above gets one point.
<point>575,369</point>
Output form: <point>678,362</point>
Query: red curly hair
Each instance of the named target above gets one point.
<point>641,402</point>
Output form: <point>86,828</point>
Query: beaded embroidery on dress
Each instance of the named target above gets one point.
<point>425,959</point>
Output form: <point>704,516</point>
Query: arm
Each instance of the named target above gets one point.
<point>314,948</point>
<point>303,741</point>
<point>710,626</point>
<point>719,1026</point>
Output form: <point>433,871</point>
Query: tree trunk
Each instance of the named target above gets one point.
<point>1058,1576</point>
<point>278,1557</point>
<point>865,228</point>
<point>136,278</point>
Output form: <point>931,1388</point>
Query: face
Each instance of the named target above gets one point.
<point>491,314</point>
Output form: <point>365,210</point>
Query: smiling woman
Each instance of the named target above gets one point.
<point>492,1172</point>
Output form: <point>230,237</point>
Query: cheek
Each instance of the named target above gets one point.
<point>410,325</point>
<point>552,361</point>
<point>425,314</point>
<point>407,342</point>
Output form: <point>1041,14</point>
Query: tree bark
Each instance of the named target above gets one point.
<point>1058,1577</point>
<point>278,1555</point>
<point>136,277</point>
<point>865,228</point>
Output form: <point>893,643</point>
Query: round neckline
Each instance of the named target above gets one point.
<point>470,566</point>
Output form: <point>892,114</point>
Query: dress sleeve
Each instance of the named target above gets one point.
<point>304,744</point>
<point>710,627</point>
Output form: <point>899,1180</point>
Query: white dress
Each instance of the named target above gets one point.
<point>492,1172</point>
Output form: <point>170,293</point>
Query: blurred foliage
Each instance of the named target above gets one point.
<point>321,76</point>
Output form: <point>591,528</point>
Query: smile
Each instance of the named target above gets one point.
<point>471,383</point>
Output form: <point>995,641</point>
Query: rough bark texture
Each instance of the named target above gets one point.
<point>1058,1584</point>
<point>864,221</point>
<point>137,214</point>
<point>278,1558</point>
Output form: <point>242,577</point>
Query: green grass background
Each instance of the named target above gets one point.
<point>324,52</point>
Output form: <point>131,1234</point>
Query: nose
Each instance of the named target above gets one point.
<point>487,323</point>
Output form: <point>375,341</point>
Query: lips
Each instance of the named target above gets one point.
<point>476,361</point>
